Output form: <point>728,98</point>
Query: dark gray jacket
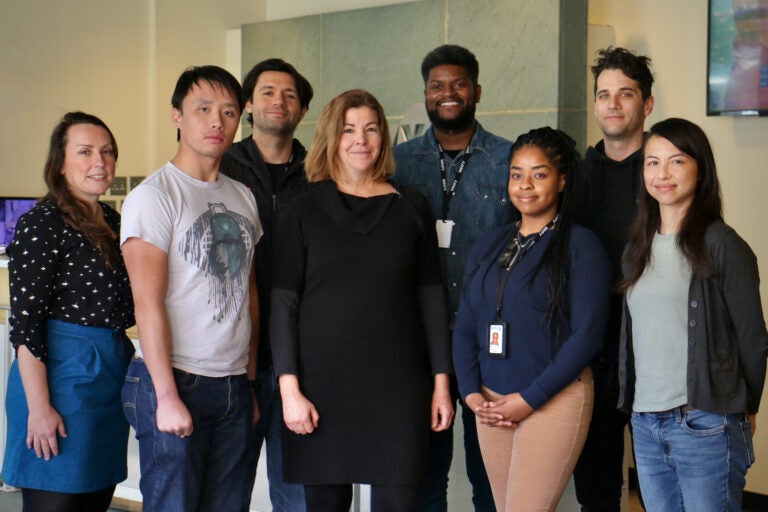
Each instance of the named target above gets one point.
<point>243,162</point>
<point>727,338</point>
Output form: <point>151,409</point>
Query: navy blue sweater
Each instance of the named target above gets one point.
<point>541,360</point>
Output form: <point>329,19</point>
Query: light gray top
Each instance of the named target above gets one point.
<point>658,302</point>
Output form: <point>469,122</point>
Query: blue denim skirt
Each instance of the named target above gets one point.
<point>86,368</point>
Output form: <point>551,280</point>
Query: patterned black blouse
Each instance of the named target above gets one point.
<point>56,273</point>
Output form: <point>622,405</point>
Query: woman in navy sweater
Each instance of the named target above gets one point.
<point>531,319</point>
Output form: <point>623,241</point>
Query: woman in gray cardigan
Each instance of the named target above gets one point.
<point>694,342</point>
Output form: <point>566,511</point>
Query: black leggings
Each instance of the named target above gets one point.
<point>384,498</point>
<point>35,500</point>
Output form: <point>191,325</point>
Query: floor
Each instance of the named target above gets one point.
<point>10,501</point>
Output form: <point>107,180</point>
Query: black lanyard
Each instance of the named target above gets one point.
<point>449,193</point>
<point>512,254</point>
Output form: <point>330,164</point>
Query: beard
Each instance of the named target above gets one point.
<point>615,133</point>
<point>464,120</point>
<point>281,128</point>
<point>632,125</point>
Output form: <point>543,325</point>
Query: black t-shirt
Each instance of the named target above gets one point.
<point>277,172</point>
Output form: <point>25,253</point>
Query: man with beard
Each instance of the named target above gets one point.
<point>270,162</point>
<point>614,165</point>
<point>462,170</point>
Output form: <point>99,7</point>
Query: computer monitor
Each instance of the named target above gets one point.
<point>11,208</point>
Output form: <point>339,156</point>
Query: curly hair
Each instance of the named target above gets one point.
<point>451,54</point>
<point>636,67</point>
<point>560,149</point>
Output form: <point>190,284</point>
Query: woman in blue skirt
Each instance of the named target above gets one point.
<point>70,305</point>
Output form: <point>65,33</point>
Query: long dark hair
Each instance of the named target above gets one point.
<point>560,150</point>
<point>705,208</point>
<point>76,212</point>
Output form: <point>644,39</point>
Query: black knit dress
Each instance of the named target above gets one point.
<point>357,287</point>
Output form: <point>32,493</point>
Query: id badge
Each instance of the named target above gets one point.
<point>497,340</point>
<point>444,229</point>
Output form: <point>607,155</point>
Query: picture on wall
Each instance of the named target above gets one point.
<point>737,59</point>
<point>119,186</point>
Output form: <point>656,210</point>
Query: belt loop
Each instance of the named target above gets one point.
<point>684,410</point>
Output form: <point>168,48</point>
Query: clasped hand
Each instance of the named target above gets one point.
<point>506,411</point>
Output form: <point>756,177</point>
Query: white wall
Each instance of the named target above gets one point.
<point>116,59</point>
<point>60,56</point>
<point>674,35</point>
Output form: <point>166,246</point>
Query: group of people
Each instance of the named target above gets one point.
<point>340,304</point>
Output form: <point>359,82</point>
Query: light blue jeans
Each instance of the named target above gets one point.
<point>207,471</point>
<point>691,461</point>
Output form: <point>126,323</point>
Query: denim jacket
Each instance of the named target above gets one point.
<point>481,201</point>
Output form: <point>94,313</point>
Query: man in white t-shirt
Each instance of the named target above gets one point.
<point>187,238</point>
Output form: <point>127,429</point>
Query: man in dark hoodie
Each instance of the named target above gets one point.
<point>614,165</point>
<point>270,163</point>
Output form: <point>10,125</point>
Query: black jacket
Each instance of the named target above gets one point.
<point>608,211</point>
<point>244,163</point>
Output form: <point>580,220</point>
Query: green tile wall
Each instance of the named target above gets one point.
<point>531,55</point>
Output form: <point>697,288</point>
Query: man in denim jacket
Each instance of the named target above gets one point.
<point>462,170</point>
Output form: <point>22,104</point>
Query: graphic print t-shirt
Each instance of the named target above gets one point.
<point>208,230</point>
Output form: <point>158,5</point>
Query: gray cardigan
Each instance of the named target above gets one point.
<point>727,338</point>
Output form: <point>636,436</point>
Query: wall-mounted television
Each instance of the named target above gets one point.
<point>737,58</point>
<point>11,208</point>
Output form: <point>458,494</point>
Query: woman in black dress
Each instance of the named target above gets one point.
<point>71,302</point>
<point>359,321</point>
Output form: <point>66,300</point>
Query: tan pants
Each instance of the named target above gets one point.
<point>529,465</point>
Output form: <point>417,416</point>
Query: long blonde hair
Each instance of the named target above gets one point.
<point>322,162</point>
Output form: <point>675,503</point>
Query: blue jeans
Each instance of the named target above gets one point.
<point>433,496</point>
<point>691,460</point>
<point>284,497</point>
<point>207,470</point>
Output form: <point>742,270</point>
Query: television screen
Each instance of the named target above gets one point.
<point>11,208</point>
<point>737,62</point>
